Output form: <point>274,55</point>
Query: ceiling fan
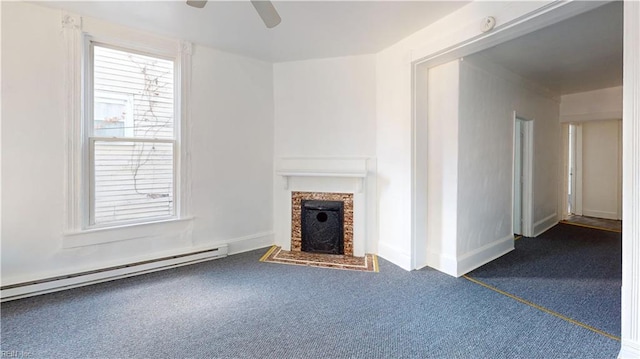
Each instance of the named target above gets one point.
<point>264,8</point>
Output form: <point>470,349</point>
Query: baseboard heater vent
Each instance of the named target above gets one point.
<point>54,284</point>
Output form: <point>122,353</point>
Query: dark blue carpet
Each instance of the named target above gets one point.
<point>572,270</point>
<point>238,307</point>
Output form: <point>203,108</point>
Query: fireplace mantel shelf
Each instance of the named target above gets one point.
<point>360,175</point>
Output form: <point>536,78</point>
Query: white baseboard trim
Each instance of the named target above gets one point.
<point>629,350</point>
<point>395,256</point>
<point>485,254</point>
<point>251,242</point>
<point>442,263</point>
<point>599,214</point>
<point>545,224</point>
<point>58,283</point>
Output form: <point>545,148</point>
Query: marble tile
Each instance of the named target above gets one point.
<point>275,254</point>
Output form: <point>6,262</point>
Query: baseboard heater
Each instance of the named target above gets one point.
<point>54,284</point>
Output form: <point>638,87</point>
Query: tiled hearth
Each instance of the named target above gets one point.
<point>296,221</point>
<point>368,263</point>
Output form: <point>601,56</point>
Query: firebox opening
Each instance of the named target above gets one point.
<point>322,226</point>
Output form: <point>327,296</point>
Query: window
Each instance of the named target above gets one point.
<point>131,136</point>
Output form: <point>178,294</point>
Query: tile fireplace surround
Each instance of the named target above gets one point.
<point>296,214</point>
<point>331,179</point>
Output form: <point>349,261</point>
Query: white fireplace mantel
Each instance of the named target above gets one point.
<point>355,168</point>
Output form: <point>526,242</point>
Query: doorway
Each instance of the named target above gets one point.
<point>522,174</point>
<point>631,89</point>
<point>594,169</point>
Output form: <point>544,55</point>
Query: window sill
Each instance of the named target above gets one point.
<point>94,236</point>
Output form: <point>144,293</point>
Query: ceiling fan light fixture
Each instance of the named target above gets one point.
<point>197,3</point>
<point>265,9</point>
<point>267,12</point>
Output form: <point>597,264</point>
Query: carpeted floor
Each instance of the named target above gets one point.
<point>239,307</point>
<point>575,271</point>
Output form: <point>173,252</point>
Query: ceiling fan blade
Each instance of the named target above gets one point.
<point>197,3</point>
<point>267,12</point>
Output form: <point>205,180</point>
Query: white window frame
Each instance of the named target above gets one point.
<point>89,140</point>
<point>77,107</point>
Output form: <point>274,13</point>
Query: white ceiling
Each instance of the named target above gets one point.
<point>580,54</point>
<point>309,29</point>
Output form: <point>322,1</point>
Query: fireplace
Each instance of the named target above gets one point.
<point>322,226</point>
<point>345,180</point>
<point>337,207</point>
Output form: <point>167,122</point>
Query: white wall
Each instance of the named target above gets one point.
<point>33,138</point>
<point>325,108</point>
<point>601,169</point>
<point>603,104</point>
<point>470,161</point>
<point>489,96</point>
<point>232,146</point>
<point>442,166</point>
<point>231,158</point>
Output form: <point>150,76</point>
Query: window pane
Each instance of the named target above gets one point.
<point>132,181</point>
<point>146,81</point>
<point>112,115</point>
<point>108,128</point>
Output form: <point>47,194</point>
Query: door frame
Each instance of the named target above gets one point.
<point>575,181</point>
<point>517,177</point>
<point>568,204</point>
<point>527,159</point>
